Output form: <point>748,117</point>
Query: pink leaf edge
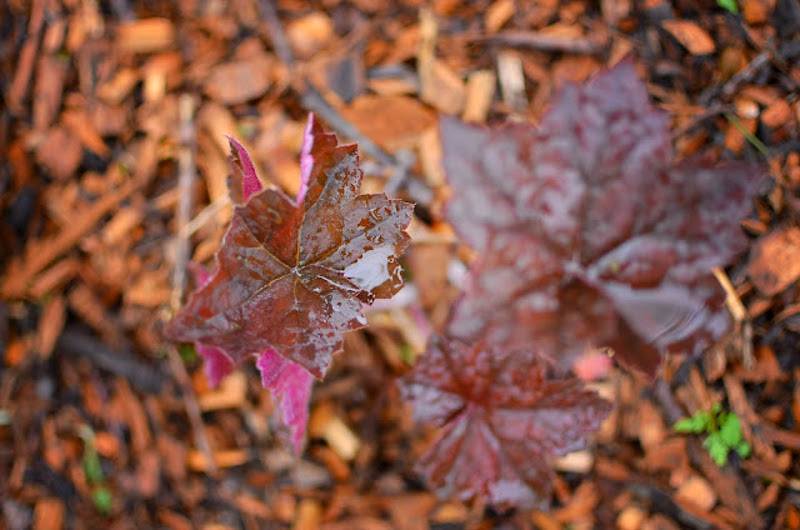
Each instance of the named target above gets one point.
<point>250,182</point>
<point>290,385</point>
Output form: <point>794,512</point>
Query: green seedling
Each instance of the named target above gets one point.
<point>729,5</point>
<point>724,432</point>
<point>101,495</point>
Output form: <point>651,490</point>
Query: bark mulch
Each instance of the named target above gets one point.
<point>112,144</point>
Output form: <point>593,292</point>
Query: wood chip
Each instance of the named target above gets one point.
<point>777,114</point>
<point>196,460</point>
<point>698,491</point>
<point>756,11</point>
<point>651,425</point>
<point>512,80</point>
<point>60,152</point>
<point>309,34</point>
<point>49,514</point>
<point>51,322</point>
<point>479,94</point>
<point>51,72</point>
<point>309,515</point>
<point>231,393</point>
<point>239,81</point>
<point>775,260</point>
<point>145,35</point>
<point>325,424</point>
<point>442,88</point>
<point>410,511</point>
<point>393,122</point>
<point>631,518</point>
<point>575,462</point>
<point>119,86</point>
<point>498,14</point>
<point>694,38</point>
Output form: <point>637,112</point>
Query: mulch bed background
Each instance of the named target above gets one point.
<point>103,424</point>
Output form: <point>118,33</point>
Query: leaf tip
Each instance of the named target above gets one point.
<point>242,165</point>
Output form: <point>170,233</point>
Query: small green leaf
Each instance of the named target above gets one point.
<point>103,500</point>
<point>729,5</point>
<point>696,424</point>
<point>187,353</point>
<point>91,466</point>
<point>731,430</point>
<point>685,425</point>
<point>717,449</point>
<point>744,449</point>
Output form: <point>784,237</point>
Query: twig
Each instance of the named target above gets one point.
<point>727,89</point>
<point>699,118</point>
<point>206,214</point>
<point>739,312</point>
<point>186,176</point>
<point>276,33</point>
<point>541,42</point>
<point>144,376</point>
<point>18,89</point>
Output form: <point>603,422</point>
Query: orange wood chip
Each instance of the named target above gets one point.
<point>393,122</point>
<point>691,36</point>
<point>48,514</point>
<point>239,81</point>
<point>698,491</point>
<point>146,35</point>
<point>196,460</point>
<point>775,260</point>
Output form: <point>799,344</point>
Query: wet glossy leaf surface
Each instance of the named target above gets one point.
<point>589,233</point>
<point>502,419</point>
<point>292,274</point>
<point>289,383</point>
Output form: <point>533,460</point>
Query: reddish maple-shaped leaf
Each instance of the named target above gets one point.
<point>502,419</point>
<point>291,274</point>
<point>289,383</point>
<point>589,233</point>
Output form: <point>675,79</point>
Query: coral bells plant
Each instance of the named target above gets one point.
<point>292,274</point>
<point>503,418</point>
<point>589,234</point>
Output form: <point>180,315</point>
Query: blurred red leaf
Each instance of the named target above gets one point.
<point>502,421</point>
<point>589,233</point>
